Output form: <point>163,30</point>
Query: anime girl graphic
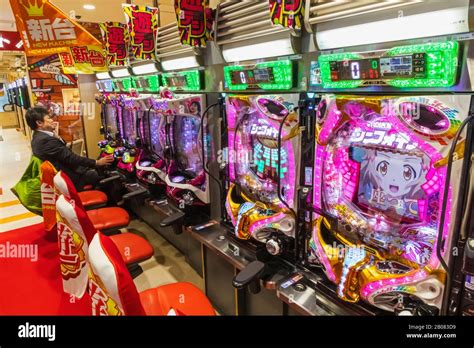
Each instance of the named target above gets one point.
<point>391,182</point>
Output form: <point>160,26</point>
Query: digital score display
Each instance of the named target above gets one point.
<point>176,81</point>
<point>380,68</point>
<point>142,83</point>
<point>253,77</point>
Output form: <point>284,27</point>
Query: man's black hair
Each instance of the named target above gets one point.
<point>36,113</point>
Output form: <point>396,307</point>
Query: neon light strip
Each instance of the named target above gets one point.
<point>282,73</point>
<point>441,63</point>
<point>193,80</point>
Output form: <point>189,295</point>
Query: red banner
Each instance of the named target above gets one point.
<point>287,13</point>
<point>116,39</point>
<point>142,24</point>
<point>45,29</point>
<point>10,41</point>
<point>195,21</point>
<point>48,197</point>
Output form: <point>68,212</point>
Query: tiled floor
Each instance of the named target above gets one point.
<point>15,155</point>
<point>166,266</point>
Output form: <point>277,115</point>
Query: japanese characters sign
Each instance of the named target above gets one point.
<point>143,25</point>
<point>287,13</point>
<point>45,29</point>
<point>116,40</point>
<point>195,21</point>
<point>83,60</point>
<point>48,197</point>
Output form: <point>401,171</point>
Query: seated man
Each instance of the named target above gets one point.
<point>48,146</point>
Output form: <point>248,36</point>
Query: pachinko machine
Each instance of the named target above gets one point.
<point>263,143</point>
<point>389,178</point>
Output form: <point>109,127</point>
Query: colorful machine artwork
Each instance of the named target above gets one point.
<point>258,166</point>
<point>186,179</point>
<point>152,164</point>
<point>379,180</point>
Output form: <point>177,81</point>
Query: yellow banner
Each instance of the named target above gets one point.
<point>83,60</point>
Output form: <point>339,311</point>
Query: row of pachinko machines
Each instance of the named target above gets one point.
<point>357,186</point>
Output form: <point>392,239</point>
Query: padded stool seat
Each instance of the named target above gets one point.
<point>133,248</point>
<point>92,198</point>
<point>159,301</point>
<point>108,218</point>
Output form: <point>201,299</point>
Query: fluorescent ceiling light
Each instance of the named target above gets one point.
<point>88,7</point>
<point>428,24</point>
<point>180,63</point>
<point>120,72</point>
<point>280,47</point>
<point>102,75</point>
<point>144,69</point>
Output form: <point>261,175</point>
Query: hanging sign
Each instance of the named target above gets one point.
<point>195,22</point>
<point>142,24</point>
<point>287,13</point>
<point>116,39</point>
<point>83,60</point>
<point>45,29</point>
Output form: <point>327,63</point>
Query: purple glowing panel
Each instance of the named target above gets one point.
<point>187,143</point>
<point>111,120</point>
<point>129,119</point>
<point>157,132</point>
<point>254,124</point>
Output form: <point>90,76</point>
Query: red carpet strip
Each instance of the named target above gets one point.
<point>34,287</point>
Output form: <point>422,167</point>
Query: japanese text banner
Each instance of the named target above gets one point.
<point>45,29</point>
<point>83,60</point>
<point>195,21</point>
<point>142,24</point>
<point>287,13</point>
<point>116,40</point>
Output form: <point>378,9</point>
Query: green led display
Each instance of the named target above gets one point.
<point>440,64</point>
<point>152,82</point>
<point>182,80</point>
<point>126,84</point>
<point>274,75</point>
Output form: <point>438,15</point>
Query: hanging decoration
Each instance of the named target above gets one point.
<point>195,21</point>
<point>45,29</point>
<point>287,13</point>
<point>142,24</point>
<point>116,40</point>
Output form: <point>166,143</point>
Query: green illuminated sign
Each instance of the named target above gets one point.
<point>275,75</point>
<point>146,83</point>
<point>122,85</point>
<point>182,80</point>
<point>423,65</point>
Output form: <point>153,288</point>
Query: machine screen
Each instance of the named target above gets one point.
<point>253,76</point>
<point>111,120</point>
<point>406,66</point>
<point>129,125</point>
<point>157,132</point>
<point>186,133</point>
<point>255,148</point>
<point>390,183</point>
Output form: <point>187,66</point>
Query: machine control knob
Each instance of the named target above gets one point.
<point>273,247</point>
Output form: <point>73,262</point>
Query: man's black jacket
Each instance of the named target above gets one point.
<point>49,148</point>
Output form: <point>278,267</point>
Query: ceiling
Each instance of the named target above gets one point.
<point>105,10</point>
